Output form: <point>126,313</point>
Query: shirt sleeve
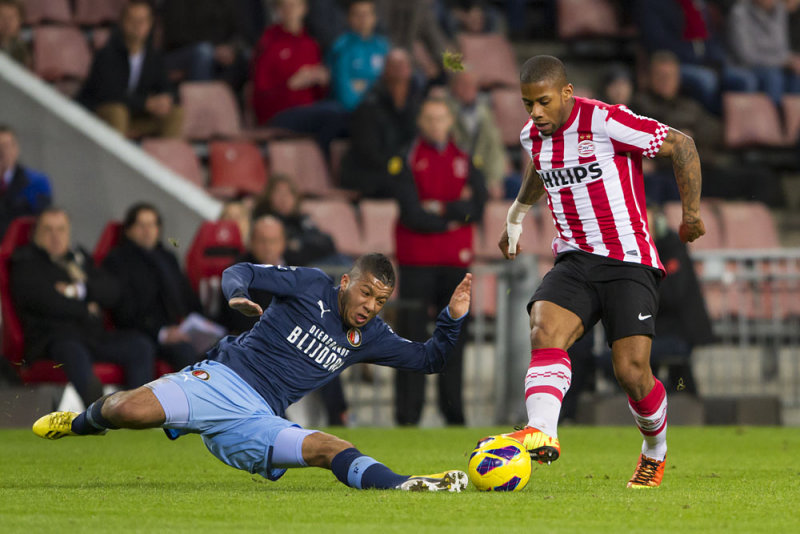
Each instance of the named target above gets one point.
<point>637,134</point>
<point>428,357</point>
<point>238,279</point>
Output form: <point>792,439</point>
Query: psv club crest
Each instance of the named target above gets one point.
<point>585,145</point>
<point>354,337</point>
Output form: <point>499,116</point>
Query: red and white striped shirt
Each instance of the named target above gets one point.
<point>592,172</point>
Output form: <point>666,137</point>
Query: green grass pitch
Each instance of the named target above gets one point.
<point>717,480</point>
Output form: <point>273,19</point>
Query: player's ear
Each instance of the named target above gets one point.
<point>567,91</point>
<point>345,281</point>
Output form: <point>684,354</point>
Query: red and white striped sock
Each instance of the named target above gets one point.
<point>548,379</point>
<point>650,414</point>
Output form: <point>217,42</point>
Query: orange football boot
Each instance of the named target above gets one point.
<point>648,473</point>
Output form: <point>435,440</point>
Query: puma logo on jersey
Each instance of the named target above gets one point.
<point>322,309</point>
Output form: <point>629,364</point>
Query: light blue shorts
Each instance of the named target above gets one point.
<point>235,422</point>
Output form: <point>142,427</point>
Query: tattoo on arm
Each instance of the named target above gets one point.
<point>686,164</point>
<point>532,186</point>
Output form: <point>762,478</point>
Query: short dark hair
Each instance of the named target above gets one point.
<point>49,210</point>
<point>133,213</point>
<point>5,128</point>
<point>17,4</point>
<point>130,3</point>
<point>375,264</point>
<point>543,68</point>
<point>664,56</point>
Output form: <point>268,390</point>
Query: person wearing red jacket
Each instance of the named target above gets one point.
<point>441,197</point>
<point>290,81</point>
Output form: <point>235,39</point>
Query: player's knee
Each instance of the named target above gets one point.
<point>320,448</point>
<point>631,375</point>
<point>547,335</point>
<point>122,410</point>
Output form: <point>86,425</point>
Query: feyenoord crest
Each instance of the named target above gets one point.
<point>585,145</point>
<point>354,337</point>
<point>199,373</point>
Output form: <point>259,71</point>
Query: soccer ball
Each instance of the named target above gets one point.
<point>499,464</point>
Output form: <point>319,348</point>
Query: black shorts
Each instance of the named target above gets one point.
<point>623,295</point>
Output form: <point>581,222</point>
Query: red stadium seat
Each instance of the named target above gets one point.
<point>509,113</point>
<point>210,111</point>
<point>109,239</point>
<point>379,218</point>
<point>586,18</point>
<point>301,159</point>
<point>215,247</point>
<point>337,218</point>
<point>178,156</point>
<point>60,53</point>
<point>791,117</point>
<point>491,57</point>
<point>238,166</point>
<point>39,11</point>
<point>339,148</point>
<point>747,225</point>
<point>751,119</point>
<point>94,12</point>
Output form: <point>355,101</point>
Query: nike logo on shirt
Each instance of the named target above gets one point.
<point>641,317</point>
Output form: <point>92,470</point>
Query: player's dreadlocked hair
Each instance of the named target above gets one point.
<point>377,265</point>
<point>543,68</point>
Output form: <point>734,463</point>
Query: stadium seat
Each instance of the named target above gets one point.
<point>491,57</point>
<point>791,118</point>
<point>215,247</point>
<point>94,12</point>
<point>210,111</point>
<point>238,166</point>
<point>747,225</point>
<point>39,11</point>
<point>18,234</point>
<point>337,218</point>
<point>109,238</point>
<point>586,18</point>
<point>60,53</point>
<point>378,218</point>
<point>709,212</point>
<point>509,113</point>
<point>178,156</point>
<point>751,119</point>
<point>301,159</point>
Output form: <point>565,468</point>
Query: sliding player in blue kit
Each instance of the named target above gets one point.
<point>237,398</point>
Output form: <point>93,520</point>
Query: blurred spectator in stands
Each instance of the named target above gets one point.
<point>156,295</point>
<point>11,15</point>
<point>475,130</point>
<point>23,191</point>
<point>356,58</point>
<point>326,21</point>
<point>793,8</point>
<point>59,295</point>
<point>127,85</point>
<point>290,81</point>
<point>381,130</point>
<point>202,40</point>
<point>239,211</point>
<point>305,243</point>
<point>440,203</point>
<point>682,27</point>
<point>471,16</point>
<point>758,36</point>
<point>414,26</point>
<point>617,86</point>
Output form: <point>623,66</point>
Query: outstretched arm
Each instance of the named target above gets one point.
<point>531,191</point>
<point>686,163</point>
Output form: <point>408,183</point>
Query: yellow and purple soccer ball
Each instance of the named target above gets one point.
<point>499,464</point>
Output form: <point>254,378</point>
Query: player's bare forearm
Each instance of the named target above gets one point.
<point>532,186</point>
<point>680,148</point>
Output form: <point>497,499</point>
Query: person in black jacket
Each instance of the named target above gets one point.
<point>127,85</point>
<point>156,295</point>
<point>382,128</point>
<point>59,296</point>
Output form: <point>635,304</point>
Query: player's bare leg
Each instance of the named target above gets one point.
<point>137,408</point>
<point>647,400</point>
<point>553,330</point>
<point>356,470</point>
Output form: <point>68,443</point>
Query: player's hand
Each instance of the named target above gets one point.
<point>691,228</point>
<point>459,302</point>
<point>245,306</point>
<point>506,242</point>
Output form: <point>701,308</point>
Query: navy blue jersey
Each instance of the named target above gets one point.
<point>300,342</point>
